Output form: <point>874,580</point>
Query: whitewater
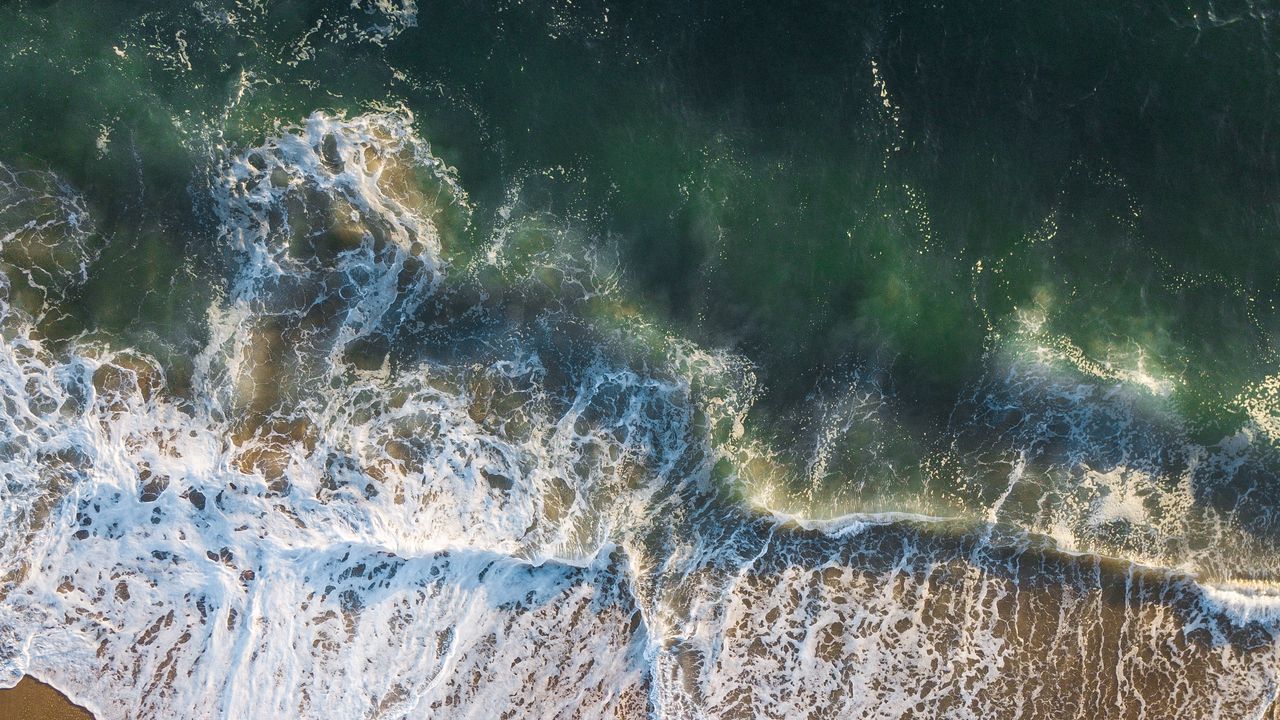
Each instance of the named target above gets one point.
<point>403,486</point>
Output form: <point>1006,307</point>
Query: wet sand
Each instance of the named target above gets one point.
<point>31,699</point>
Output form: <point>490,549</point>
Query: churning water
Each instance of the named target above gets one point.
<point>297,420</point>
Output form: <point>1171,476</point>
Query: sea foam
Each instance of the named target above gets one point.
<point>398,488</point>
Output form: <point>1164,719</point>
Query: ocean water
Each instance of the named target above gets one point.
<point>395,359</point>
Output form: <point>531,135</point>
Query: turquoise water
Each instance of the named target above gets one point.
<point>974,301</point>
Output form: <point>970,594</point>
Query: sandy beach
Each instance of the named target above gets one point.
<point>31,699</point>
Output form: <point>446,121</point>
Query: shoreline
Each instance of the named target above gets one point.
<point>36,700</point>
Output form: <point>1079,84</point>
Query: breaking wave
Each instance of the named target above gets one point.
<point>411,477</point>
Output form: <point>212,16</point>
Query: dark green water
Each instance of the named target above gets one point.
<point>1015,264</point>
<point>762,193</point>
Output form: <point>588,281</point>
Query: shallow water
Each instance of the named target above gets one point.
<point>399,360</point>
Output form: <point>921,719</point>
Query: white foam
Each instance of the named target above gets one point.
<point>499,525</point>
<point>1244,603</point>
